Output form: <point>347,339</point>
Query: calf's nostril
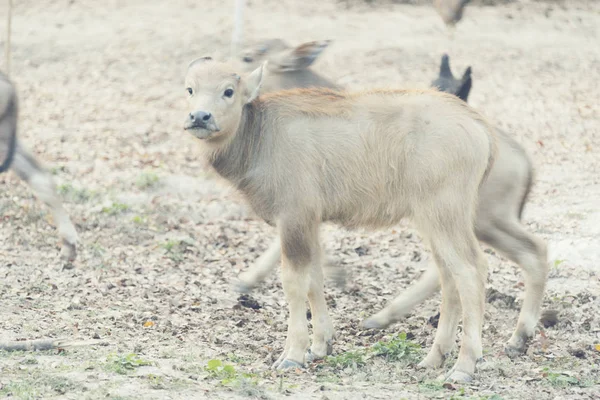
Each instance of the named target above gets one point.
<point>206,117</point>
<point>192,117</point>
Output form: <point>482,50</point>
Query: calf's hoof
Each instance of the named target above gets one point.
<point>245,282</point>
<point>68,251</point>
<point>433,360</point>
<point>513,352</point>
<point>375,322</point>
<point>242,287</point>
<point>288,364</point>
<point>516,346</point>
<point>455,376</point>
<point>312,355</point>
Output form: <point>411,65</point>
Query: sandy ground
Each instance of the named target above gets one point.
<point>102,104</point>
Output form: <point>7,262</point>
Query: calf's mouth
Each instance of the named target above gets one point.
<point>200,129</point>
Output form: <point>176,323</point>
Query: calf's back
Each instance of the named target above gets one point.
<point>365,159</point>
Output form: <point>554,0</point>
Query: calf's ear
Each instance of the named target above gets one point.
<point>254,82</point>
<point>198,61</point>
<point>465,85</point>
<point>300,57</point>
<point>445,71</point>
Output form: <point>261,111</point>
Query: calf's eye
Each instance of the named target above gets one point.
<point>190,91</point>
<point>228,93</point>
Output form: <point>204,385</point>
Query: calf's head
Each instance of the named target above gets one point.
<point>217,95</point>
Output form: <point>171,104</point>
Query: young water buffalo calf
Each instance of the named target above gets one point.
<point>302,157</point>
<point>501,200</point>
<point>15,156</point>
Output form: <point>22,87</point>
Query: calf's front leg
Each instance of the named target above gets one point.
<point>300,254</point>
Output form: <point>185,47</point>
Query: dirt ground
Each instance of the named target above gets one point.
<point>102,105</point>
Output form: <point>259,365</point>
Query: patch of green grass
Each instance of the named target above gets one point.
<point>139,220</point>
<point>10,354</point>
<point>60,384</point>
<point>19,355</point>
<point>458,394</point>
<point>227,375</point>
<point>75,195</point>
<point>115,209</point>
<point>96,249</point>
<point>175,249</point>
<point>431,385</point>
<point>125,363</point>
<point>147,180</point>
<point>20,390</point>
<point>35,385</point>
<point>349,359</point>
<point>236,359</point>
<point>29,360</point>
<point>452,392</point>
<point>557,263</point>
<point>560,380</point>
<point>217,370</point>
<point>156,381</point>
<point>398,348</point>
<point>170,245</point>
<point>56,169</point>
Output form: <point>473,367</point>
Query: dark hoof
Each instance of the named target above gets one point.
<point>434,361</point>
<point>289,364</point>
<point>69,251</point>
<point>311,357</point>
<point>458,377</point>
<point>514,352</point>
<point>330,347</point>
<point>242,287</point>
<point>372,323</point>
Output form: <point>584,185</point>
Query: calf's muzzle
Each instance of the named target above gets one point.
<point>200,120</point>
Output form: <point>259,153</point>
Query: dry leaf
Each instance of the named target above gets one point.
<point>148,324</point>
<point>597,347</point>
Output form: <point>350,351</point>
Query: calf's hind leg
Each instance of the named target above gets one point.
<point>42,184</point>
<point>529,252</point>
<point>460,260</point>
<point>322,339</point>
<point>260,269</point>
<point>403,304</point>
